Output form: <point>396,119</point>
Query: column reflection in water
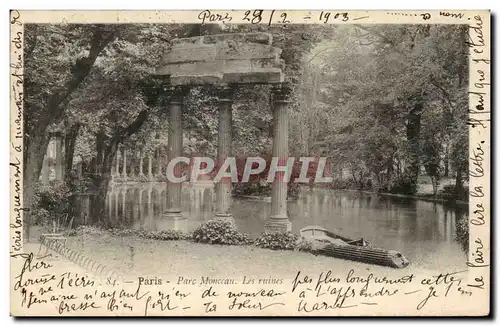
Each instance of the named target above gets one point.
<point>130,207</point>
<point>207,206</point>
<point>149,225</point>
<point>109,202</point>
<point>453,227</point>
<point>155,206</point>
<point>139,205</point>
<point>135,207</point>
<point>124,203</point>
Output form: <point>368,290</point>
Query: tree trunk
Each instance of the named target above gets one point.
<point>34,152</point>
<point>101,169</point>
<point>36,140</point>
<point>435,184</point>
<point>69,150</point>
<point>98,213</point>
<point>375,181</point>
<point>106,149</point>
<point>390,172</point>
<point>413,137</point>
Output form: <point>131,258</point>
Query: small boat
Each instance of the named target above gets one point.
<point>319,233</point>
<point>330,244</point>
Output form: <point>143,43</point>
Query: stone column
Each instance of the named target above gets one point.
<point>59,156</point>
<point>117,192</point>
<point>150,166</point>
<point>150,210</point>
<point>174,190</point>
<point>117,159</point>
<point>141,162</point>
<point>158,161</point>
<point>124,168</point>
<point>224,150</point>
<point>278,221</point>
<point>131,167</point>
<point>124,204</point>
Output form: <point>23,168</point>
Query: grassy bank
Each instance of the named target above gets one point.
<point>135,257</point>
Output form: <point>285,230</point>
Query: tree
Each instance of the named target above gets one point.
<point>58,58</point>
<point>378,83</point>
<point>117,99</point>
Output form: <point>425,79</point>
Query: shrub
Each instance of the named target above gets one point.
<point>50,201</point>
<point>277,240</point>
<point>122,232</point>
<point>403,186</point>
<point>264,189</point>
<point>450,192</point>
<point>86,229</point>
<point>164,235</point>
<point>255,188</point>
<point>219,232</point>
<point>155,235</point>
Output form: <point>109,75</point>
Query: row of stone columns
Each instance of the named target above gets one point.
<point>122,168</point>
<point>278,220</point>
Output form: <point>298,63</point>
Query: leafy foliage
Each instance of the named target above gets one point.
<point>50,202</point>
<point>259,186</point>
<point>219,232</point>
<point>277,240</point>
<point>385,100</point>
<point>164,235</point>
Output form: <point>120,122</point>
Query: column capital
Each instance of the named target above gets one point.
<point>175,94</point>
<point>225,92</point>
<point>281,92</point>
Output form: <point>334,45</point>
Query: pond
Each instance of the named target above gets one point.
<point>423,231</point>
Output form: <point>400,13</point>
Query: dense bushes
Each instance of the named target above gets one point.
<point>165,235</point>
<point>50,201</point>
<point>263,188</point>
<point>219,232</point>
<point>277,240</point>
<point>256,188</point>
<point>450,192</point>
<point>403,186</point>
<point>212,232</point>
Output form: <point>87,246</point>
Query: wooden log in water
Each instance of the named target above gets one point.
<point>367,255</point>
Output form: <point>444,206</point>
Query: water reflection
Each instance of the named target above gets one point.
<point>421,230</point>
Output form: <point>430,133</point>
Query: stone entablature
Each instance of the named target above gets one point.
<point>239,58</point>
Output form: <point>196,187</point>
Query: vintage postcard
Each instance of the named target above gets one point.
<point>250,163</point>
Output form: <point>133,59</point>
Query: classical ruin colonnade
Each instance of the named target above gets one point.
<point>223,62</point>
<point>148,165</point>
